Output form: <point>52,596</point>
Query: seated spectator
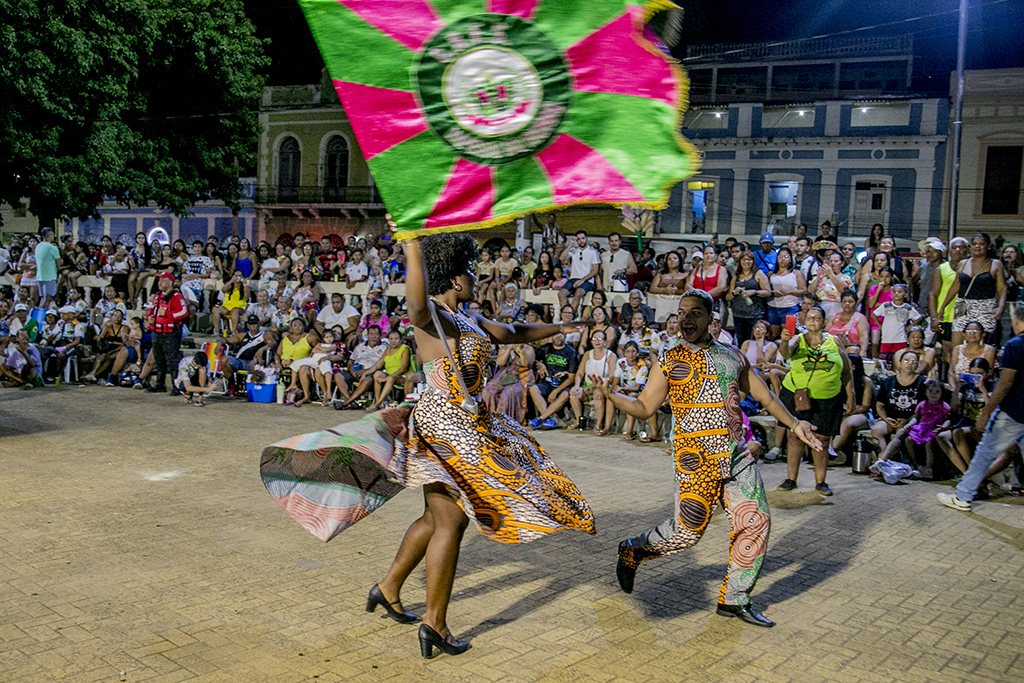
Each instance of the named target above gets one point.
<point>915,342</point>
<point>393,266</point>
<point>849,326</point>
<point>511,308</point>
<point>245,345</point>
<point>375,318</point>
<point>280,289</point>
<point>262,309</point>
<point>639,334</point>
<point>131,351</point>
<point>296,343</point>
<point>898,398</point>
<point>717,332</point>
<point>599,300</point>
<point>330,260</point>
<point>544,273</point>
<point>964,354</point>
<point>108,345</point>
<point>192,380</point>
<point>306,299</point>
<point>758,349</point>
<point>598,362</point>
<point>567,315</point>
<point>340,314</point>
<point>20,320</point>
<point>67,336</point>
<point>339,363</point>
<point>974,390</point>
<point>560,280</point>
<point>197,269</point>
<point>356,270</point>
<point>930,417</point>
<point>506,392</point>
<point>670,337</point>
<point>18,367</point>
<point>282,316</point>
<point>601,323</point>
<point>557,363</point>
<point>394,364</point>
<point>363,363</point>
<point>629,379</point>
<point>234,303</point>
<point>862,415</point>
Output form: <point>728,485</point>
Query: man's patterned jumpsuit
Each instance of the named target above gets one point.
<point>712,464</point>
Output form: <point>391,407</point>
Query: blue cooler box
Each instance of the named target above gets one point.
<point>261,393</point>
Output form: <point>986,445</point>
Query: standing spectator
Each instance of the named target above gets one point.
<point>804,260</point>
<point>551,236</point>
<point>899,267</point>
<point>982,289</point>
<point>871,275</point>
<point>748,293</point>
<point>27,267</point>
<point>1013,272</point>
<point>788,286</point>
<point>898,397</point>
<point>944,279</point>
<point>850,260</point>
<point>340,314</point>
<point>165,318</point>
<point>830,283</point>
<point>196,270</point>
<point>633,304</point>
<point>896,316</point>
<point>922,271</point>
<point>820,370</point>
<point>666,288</point>
<point>872,241</point>
<point>585,262</point>
<point>330,260</point>
<point>710,277</point>
<point>617,265</point>
<point>826,233</point>
<point>141,256</point>
<point>356,270</point>
<point>1002,420</point>
<point>47,260</point>
<point>765,256</point>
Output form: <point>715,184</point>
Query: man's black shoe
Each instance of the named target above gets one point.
<point>175,392</point>
<point>156,389</point>
<point>623,572</point>
<point>745,613</point>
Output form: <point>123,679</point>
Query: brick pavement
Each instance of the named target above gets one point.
<point>154,550</point>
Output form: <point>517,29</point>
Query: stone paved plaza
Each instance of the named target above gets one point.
<point>137,543</point>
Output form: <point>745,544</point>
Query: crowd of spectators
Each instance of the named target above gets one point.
<point>848,335</point>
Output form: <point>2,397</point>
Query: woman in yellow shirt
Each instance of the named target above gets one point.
<point>391,367</point>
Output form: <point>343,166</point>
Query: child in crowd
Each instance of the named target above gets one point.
<point>930,417</point>
<point>896,317</point>
<point>560,278</point>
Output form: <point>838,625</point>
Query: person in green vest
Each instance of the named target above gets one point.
<point>819,367</point>
<point>944,278</point>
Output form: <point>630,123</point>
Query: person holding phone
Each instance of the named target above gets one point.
<point>813,390</point>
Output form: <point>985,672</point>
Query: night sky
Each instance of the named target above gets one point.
<point>995,39</point>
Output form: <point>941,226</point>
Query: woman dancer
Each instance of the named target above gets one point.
<point>471,463</point>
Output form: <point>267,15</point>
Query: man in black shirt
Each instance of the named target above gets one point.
<point>556,370</point>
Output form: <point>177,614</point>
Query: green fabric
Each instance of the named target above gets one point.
<point>520,186</point>
<point>826,364</point>
<point>407,183</point>
<point>603,120</point>
<point>453,10</point>
<point>46,264</point>
<point>567,26</point>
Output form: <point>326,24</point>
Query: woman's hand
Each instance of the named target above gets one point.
<point>805,432</point>
<point>576,392</point>
<point>785,335</point>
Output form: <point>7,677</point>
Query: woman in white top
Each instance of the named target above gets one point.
<point>598,362</point>
<point>788,285</point>
<point>758,350</point>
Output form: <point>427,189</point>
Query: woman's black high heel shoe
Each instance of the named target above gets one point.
<point>429,638</point>
<point>377,598</point>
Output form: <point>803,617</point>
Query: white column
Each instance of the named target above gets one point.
<point>174,228</point>
<point>106,226</point>
<point>740,187</point>
<point>827,198</point>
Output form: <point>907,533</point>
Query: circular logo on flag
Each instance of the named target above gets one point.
<point>494,87</point>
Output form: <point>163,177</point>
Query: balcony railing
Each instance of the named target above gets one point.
<point>312,194</point>
<point>828,48</point>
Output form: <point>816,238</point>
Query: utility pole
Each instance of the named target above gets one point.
<point>958,111</point>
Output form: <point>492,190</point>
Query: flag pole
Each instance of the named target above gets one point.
<point>958,110</point>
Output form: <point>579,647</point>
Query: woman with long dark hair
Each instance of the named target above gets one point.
<point>472,464</point>
<point>142,257</point>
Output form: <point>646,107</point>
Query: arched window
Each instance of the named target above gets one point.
<point>288,160</point>
<point>335,169</point>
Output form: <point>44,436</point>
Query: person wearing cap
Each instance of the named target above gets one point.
<point>20,321</point>
<point>766,255</point>
<point>166,317</point>
<point>67,335</point>
<point>716,332</point>
<point>47,260</point>
<point>245,344</point>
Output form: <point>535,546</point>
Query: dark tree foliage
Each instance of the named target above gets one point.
<point>139,100</point>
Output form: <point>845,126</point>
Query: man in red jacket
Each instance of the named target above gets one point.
<point>166,317</point>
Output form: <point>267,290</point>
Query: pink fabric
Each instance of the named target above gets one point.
<point>579,173</point>
<point>929,417</point>
<point>611,60</point>
<point>385,117</point>
<point>409,22</point>
<point>874,320</point>
<point>467,197</point>
<point>518,8</point>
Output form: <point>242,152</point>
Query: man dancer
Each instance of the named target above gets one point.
<point>703,379</point>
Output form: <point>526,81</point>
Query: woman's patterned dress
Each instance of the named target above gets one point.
<point>498,473</point>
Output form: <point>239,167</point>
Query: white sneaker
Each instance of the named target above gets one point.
<point>773,454</point>
<point>950,500</point>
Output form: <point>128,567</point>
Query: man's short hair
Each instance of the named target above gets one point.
<point>614,234</point>
<point>1018,313</point>
<point>336,295</point>
<point>709,303</point>
<point>805,238</point>
<point>199,242</point>
<point>581,232</point>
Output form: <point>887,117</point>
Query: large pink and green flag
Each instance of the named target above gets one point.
<point>472,112</point>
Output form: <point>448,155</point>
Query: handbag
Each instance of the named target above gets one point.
<point>960,307</point>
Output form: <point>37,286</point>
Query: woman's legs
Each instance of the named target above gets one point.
<point>215,313</point>
<point>304,376</point>
<point>442,554</point>
<point>850,425</point>
<point>628,430</point>
<point>410,554</point>
<point>795,454</point>
<point>577,408</point>
<point>880,430</point>
<point>235,313</point>
<point>820,465</point>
